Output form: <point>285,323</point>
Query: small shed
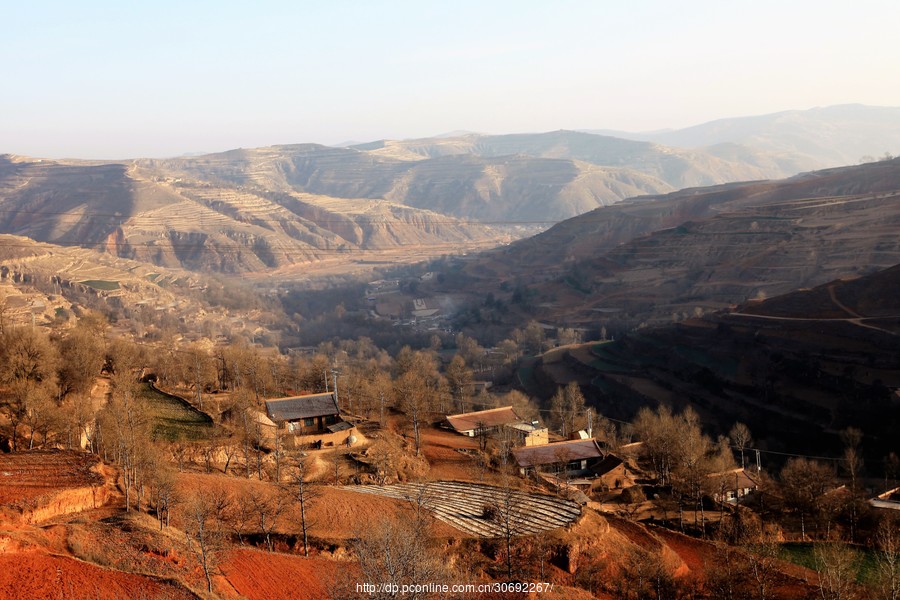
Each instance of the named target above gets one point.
<point>529,434</point>
<point>611,473</point>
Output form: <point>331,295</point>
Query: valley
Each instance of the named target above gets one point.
<point>624,369</point>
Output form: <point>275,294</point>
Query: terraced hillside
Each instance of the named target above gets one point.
<point>150,215</point>
<point>462,505</point>
<point>797,369</point>
<point>646,260</point>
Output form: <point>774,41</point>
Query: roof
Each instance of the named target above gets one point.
<point>557,452</point>
<point>302,407</point>
<point>339,426</point>
<point>736,479</point>
<point>525,427</point>
<point>493,417</point>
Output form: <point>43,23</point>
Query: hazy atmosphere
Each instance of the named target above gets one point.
<point>470,301</point>
<point>112,80</point>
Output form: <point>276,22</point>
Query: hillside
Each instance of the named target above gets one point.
<point>48,285</point>
<point>796,368</point>
<point>152,216</point>
<point>676,167</point>
<point>657,258</point>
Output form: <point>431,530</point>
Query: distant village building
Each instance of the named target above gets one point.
<point>504,418</point>
<point>312,420</point>
<point>735,484</point>
<point>482,421</point>
<point>574,456</point>
<point>303,415</point>
<point>611,473</point>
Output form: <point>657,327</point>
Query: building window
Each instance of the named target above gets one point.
<point>309,422</point>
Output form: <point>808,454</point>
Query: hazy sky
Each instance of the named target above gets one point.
<point>121,79</point>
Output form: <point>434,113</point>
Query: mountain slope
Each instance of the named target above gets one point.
<point>666,257</point>
<point>797,368</point>
<point>677,167</point>
<point>462,185</point>
<point>224,223</point>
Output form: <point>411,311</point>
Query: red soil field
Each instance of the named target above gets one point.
<point>38,575</point>
<point>336,515</point>
<point>270,576</point>
<point>26,475</point>
<point>439,447</point>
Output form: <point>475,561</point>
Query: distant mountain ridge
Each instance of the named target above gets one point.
<point>816,138</point>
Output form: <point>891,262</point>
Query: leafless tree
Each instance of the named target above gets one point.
<point>205,535</point>
<point>396,552</point>
<point>268,505</point>
<point>887,558</point>
<point>803,484</point>
<point>740,436</point>
<point>762,566</point>
<point>305,493</point>
<point>507,513</point>
<point>837,565</point>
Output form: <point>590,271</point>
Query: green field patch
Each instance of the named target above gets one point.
<point>153,277</point>
<point>803,554</point>
<point>525,375</point>
<point>100,284</point>
<point>173,418</point>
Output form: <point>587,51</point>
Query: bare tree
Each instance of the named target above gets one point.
<point>459,378</point>
<point>762,567</point>
<point>268,505</point>
<point>305,493</point>
<point>28,367</point>
<point>837,565</point>
<point>887,558</point>
<point>803,484</point>
<point>507,513</point>
<point>205,536</point>
<point>397,553</point>
<point>740,436</point>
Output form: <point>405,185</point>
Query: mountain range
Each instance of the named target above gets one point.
<point>281,208</point>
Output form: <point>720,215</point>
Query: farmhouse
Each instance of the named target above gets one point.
<point>571,456</point>
<point>733,485</point>
<point>482,421</point>
<point>305,415</point>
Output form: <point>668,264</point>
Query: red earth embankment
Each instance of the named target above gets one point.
<point>42,484</point>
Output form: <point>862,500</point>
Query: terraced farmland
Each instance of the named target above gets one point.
<point>462,505</point>
<point>25,475</point>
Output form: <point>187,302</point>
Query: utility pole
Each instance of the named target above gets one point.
<point>758,463</point>
<point>590,416</point>
<point>335,373</point>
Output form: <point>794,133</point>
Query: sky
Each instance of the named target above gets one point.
<point>113,80</point>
